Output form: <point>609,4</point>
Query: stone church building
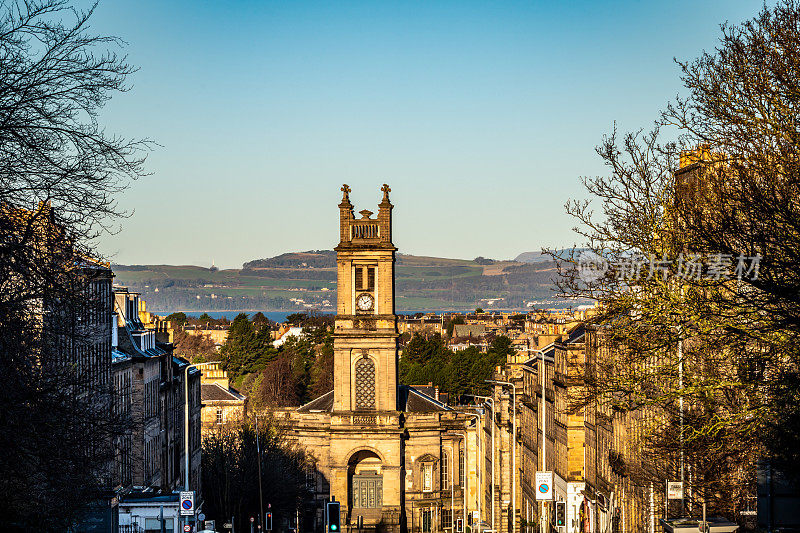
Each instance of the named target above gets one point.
<point>389,453</point>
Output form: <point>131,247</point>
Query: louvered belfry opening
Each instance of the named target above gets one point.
<point>365,384</point>
<point>365,278</point>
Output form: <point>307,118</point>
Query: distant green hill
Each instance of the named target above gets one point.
<point>539,257</point>
<point>310,259</point>
<point>302,280</point>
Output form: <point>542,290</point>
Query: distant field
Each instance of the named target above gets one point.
<point>285,284</point>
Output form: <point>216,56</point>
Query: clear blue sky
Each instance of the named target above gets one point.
<point>482,116</point>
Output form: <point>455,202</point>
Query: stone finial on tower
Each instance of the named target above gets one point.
<point>385,215</point>
<point>346,194</point>
<point>345,214</point>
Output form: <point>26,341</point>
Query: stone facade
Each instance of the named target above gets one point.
<point>388,453</point>
<point>223,406</point>
<point>149,385</point>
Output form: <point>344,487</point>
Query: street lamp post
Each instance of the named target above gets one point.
<point>463,436</point>
<point>186,417</point>
<point>477,469</point>
<point>543,375</point>
<point>261,517</point>
<point>513,451</point>
<point>491,402</point>
<point>452,488</point>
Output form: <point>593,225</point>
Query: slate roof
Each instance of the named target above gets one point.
<point>323,403</point>
<point>212,392</point>
<point>469,330</point>
<point>118,356</point>
<point>577,334</point>
<point>414,401</point>
<point>127,345</point>
<point>411,401</point>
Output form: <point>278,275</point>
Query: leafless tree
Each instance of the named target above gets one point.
<point>59,173</point>
<point>230,473</point>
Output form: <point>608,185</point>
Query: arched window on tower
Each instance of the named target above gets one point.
<point>365,384</point>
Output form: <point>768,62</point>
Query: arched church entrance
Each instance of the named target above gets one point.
<point>365,488</point>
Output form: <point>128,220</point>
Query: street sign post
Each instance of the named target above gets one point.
<point>674,490</point>
<point>544,485</point>
<point>187,503</point>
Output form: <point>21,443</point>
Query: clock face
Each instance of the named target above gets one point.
<point>365,302</point>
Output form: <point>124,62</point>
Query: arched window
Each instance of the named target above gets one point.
<point>365,383</point>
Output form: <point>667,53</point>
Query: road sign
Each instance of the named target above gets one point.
<point>201,517</point>
<point>544,485</point>
<point>187,528</point>
<point>187,503</point>
<point>674,490</point>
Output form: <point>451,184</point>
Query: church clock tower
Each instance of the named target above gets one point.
<point>365,339</point>
<point>373,445</point>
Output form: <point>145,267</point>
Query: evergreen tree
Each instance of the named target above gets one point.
<point>457,373</point>
<point>177,319</point>
<point>241,348</point>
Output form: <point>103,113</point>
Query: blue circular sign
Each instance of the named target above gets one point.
<point>186,504</point>
<point>543,488</point>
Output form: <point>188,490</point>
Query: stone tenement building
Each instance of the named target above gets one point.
<point>223,406</point>
<point>387,452</point>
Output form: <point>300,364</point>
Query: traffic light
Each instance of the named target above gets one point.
<point>268,522</point>
<point>561,513</point>
<point>459,525</point>
<point>333,517</point>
